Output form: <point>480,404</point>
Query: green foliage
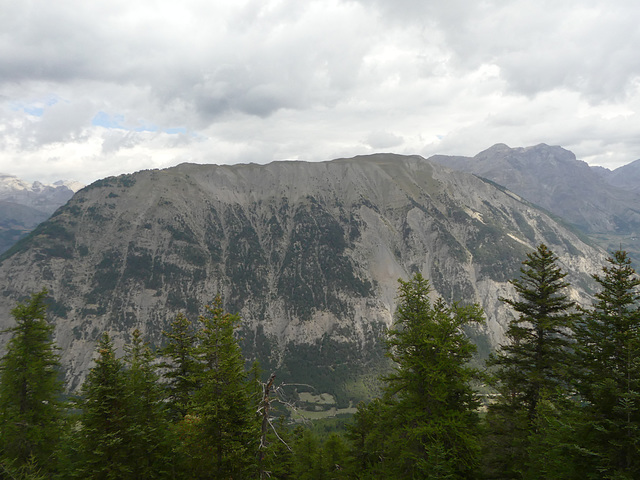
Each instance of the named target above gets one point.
<point>180,366</point>
<point>532,367</point>
<point>426,424</point>
<point>104,423</point>
<point>220,431</point>
<point>122,431</point>
<point>146,436</point>
<point>30,390</point>
<point>316,365</point>
<point>608,371</point>
<point>307,460</point>
<point>558,415</point>
<point>535,361</point>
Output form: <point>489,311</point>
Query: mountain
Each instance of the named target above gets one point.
<point>16,221</point>
<point>308,253</point>
<point>23,206</point>
<point>554,179</point>
<point>626,177</point>
<point>599,202</point>
<point>39,196</point>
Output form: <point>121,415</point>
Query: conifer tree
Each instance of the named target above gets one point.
<point>307,459</point>
<point>608,372</point>
<point>103,434</point>
<point>147,430</point>
<point>221,428</point>
<point>30,390</point>
<point>180,367</point>
<point>533,366</point>
<point>368,441</point>
<point>426,425</point>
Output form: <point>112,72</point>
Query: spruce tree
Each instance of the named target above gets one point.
<point>221,428</point>
<point>180,367</point>
<point>608,372</point>
<point>426,425</point>
<point>146,436</point>
<point>533,366</point>
<point>104,424</point>
<point>30,390</point>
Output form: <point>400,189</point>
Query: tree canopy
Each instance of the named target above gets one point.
<point>426,423</point>
<point>30,390</point>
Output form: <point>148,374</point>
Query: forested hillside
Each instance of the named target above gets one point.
<point>562,400</point>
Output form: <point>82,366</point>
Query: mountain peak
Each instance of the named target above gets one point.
<point>499,149</point>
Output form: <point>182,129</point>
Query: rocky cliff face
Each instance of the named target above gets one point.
<point>308,253</point>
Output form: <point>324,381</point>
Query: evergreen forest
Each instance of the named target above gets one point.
<point>559,400</point>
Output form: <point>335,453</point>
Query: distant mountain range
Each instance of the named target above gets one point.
<point>23,206</point>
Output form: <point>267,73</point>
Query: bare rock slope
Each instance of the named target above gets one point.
<point>308,253</point>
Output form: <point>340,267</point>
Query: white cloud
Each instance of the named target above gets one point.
<point>262,80</point>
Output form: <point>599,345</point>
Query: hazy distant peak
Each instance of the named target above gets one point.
<point>497,149</point>
<point>540,151</point>
<point>72,185</point>
<point>38,195</point>
<point>10,182</point>
<point>626,177</point>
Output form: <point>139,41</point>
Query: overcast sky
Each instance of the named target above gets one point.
<point>95,88</point>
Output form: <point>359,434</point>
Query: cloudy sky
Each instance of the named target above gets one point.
<point>95,88</point>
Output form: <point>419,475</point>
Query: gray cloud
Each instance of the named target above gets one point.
<point>382,139</point>
<point>260,80</point>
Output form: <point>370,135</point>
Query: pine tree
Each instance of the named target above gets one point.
<point>307,459</point>
<point>221,429</point>
<point>536,359</point>
<point>533,366</point>
<point>30,390</point>
<point>103,434</point>
<point>147,430</point>
<point>608,371</point>
<point>426,424</point>
<point>368,438</point>
<point>180,367</point>
<point>334,458</point>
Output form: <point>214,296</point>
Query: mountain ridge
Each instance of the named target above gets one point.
<point>308,253</point>
<point>552,177</point>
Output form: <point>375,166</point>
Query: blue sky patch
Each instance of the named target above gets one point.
<point>103,119</point>
<point>33,110</point>
<point>175,130</point>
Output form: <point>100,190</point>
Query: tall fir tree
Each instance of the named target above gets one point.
<point>147,439</point>
<point>221,429</point>
<point>180,367</point>
<point>104,423</point>
<point>426,425</point>
<point>608,372</point>
<point>30,391</point>
<point>533,366</point>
